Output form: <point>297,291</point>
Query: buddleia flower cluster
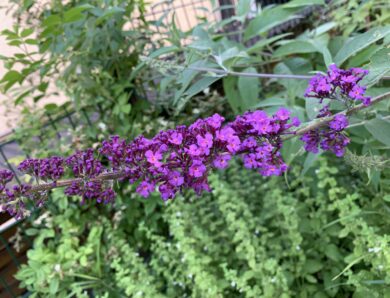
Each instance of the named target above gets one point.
<point>171,162</point>
<point>329,138</point>
<point>84,165</point>
<point>337,84</point>
<point>43,169</point>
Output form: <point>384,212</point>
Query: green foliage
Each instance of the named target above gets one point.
<point>214,60</point>
<point>325,235</point>
<point>320,231</point>
<point>360,42</point>
<point>354,16</point>
<point>301,51</point>
<point>379,66</point>
<point>87,49</point>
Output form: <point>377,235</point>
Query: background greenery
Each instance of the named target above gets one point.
<point>319,231</point>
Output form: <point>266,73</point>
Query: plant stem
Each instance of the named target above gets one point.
<point>236,73</point>
<point>256,75</point>
<point>365,121</point>
<point>68,182</point>
<point>248,74</point>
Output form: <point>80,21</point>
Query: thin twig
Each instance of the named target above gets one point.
<point>68,182</point>
<point>248,74</point>
<point>226,72</point>
<point>256,75</point>
<point>365,121</point>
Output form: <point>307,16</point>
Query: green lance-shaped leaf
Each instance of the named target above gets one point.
<point>249,89</point>
<point>360,42</point>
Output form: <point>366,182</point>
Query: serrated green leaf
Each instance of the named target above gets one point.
<point>21,97</point>
<point>15,43</point>
<point>126,108</point>
<point>196,88</point>
<point>10,78</point>
<point>9,34</point>
<point>333,252</point>
<point>11,75</point>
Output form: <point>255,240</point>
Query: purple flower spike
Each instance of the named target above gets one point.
<point>172,161</point>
